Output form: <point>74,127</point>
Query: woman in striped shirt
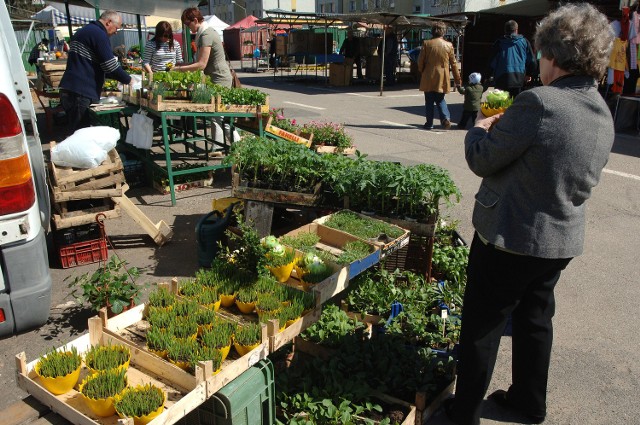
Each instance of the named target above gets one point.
<point>162,51</point>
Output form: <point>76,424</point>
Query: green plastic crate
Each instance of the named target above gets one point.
<point>247,400</point>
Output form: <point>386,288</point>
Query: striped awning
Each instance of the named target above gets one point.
<point>55,14</point>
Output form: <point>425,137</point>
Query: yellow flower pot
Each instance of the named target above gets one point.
<point>291,322</point>
<point>215,306</point>
<point>181,364</point>
<point>282,273</point>
<point>244,349</point>
<point>144,419</point>
<point>246,308</point>
<point>224,351</point>
<point>102,407</point>
<point>489,112</point>
<point>227,300</point>
<point>60,384</point>
<point>163,354</point>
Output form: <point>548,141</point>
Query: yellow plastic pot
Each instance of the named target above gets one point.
<point>60,384</point>
<point>181,364</point>
<point>224,351</point>
<point>291,322</point>
<point>102,407</point>
<point>282,273</point>
<point>124,366</point>
<point>163,354</point>
<point>145,419</point>
<point>227,300</point>
<point>244,349</point>
<point>246,308</point>
<point>489,112</point>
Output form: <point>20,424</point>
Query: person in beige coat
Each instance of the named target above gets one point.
<point>436,56</point>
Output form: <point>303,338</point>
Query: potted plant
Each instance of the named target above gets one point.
<point>190,288</point>
<point>158,341</point>
<point>99,358</point>
<point>219,336</point>
<point>266,316</point>
<point>268,303</point>
<point>247,337</point>
<point>161,298</point>
<point>205,318</point>
<point>185,308</point>
<point>98,390</point>
<point>185,327</point>
<point>209,353</point>
<point>291,313</point>
<point>142,403</point>
<point>112,286</point>
<point>209,298</point>
<point>160,318</point>
<point>59,370</point>
<point>246,300</point>
<point>182,352</point>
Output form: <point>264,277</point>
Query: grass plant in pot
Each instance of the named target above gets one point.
<point>143,403</point>
<point>208,353</point>
<point>158,340</point>
<point>186,308</point>
<point>205,318</point>
<point>268,303</point>
<point>209,298</point>
<point>112,286</point>
<point>161,298</point>
<point>160,318</point>
<point>219,336</point>
<point>292,312</point>
<point>185,327</point>
<point>99,390</point>
<point>59,370</point>
<point>247,337</point>
<point>246,300</point>
<point>190,288</point>
<point>266,316</point>
<point>100,358</point>
<point>182,352</point>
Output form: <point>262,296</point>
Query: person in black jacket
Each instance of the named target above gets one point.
<point>390,55</point>
<point>43,46</point>
<point>472,97</point>
<point>350,49</point>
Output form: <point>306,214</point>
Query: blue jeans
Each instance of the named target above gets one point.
<point>431,98</point>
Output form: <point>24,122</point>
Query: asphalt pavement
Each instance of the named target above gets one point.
<point>594,377</point>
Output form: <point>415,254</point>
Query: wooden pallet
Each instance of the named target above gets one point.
<point>241,191</point>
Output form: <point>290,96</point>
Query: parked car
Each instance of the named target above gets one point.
<point>25,280</point>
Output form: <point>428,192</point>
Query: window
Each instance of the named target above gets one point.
<point>435,3</point>
<point>352,6</point>
<point>322,8</point>
<point>377,4</point>
<point>416,9</point>
<point>331,8</point>
<point>392,4</point>
<point>365,4</point>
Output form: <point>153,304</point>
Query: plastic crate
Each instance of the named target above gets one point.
<point>412,257</point>
<point>134,173</point>
<point>247,400</point>
<point>80,253</point>
<point>83,233</point>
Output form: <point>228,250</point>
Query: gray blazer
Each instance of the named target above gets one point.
<point>539,164</point>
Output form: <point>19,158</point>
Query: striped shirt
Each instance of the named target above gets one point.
<point>158,59</point>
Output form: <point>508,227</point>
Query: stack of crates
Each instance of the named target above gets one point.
<point>80,245</point>
<point>247,400</point>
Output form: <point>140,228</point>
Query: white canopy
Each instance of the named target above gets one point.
<point>55,14</point>
<point>216,23</point>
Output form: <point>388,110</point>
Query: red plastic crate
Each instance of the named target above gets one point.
<point>83,253</point>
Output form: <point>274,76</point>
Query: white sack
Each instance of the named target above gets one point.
<point>104,136</point>
<point>78,152</point>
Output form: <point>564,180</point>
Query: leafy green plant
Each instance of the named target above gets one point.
<point>106,357</point>
<point>104,384</point>
<point>139,401</point>
<point>59,363</point>
<point>113,286</point>
<point>450,263</point>
<point>248,334</point>
<point>362,226</point>
<point>303,241</point>
<point>250,254</point>
<point>334,326</point>
<point>329,134</point>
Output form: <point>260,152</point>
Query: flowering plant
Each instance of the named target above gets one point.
<point>278,120</point>
<point>329,134</point>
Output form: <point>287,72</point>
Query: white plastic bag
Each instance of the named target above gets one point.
<point>104,136</point>
<point>78,152</point>
<point>140,132</point>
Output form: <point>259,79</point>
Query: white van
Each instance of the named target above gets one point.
<point>25,281</point>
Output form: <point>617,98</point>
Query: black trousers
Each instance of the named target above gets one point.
<point>76,107</point>
<point>500,284</point>
<point>466,116</point>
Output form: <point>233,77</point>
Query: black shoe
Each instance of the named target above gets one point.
<point>499,397</point>
<point>447,406</point>
<point>427,126</point>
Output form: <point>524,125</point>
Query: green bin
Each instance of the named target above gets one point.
<point>247,400</point>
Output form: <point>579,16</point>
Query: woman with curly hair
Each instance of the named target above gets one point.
<point>539,162</point>
<point>161,52</point>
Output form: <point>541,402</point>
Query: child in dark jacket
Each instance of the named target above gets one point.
<point>472,97</point>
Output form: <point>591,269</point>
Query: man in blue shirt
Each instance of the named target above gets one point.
<point>513,61</point>
<point>90,61</point>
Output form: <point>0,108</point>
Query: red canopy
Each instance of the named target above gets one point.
<point>247,22</point>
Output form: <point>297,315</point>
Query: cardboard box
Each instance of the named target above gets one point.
<point>340,74</point>
<point>333,241</point>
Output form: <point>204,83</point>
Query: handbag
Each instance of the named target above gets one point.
<point>140,133</point>
<point>235,80</point>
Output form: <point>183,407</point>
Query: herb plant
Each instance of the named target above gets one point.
<point>139,401</point>
<point>106,357</point>
<point>59,363</point>
<point>104,384</point>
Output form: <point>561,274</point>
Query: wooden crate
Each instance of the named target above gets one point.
<point>160,104</point>
<point>333,149</point>
<point>277,338</point>
<point>246,109</point>
<point>78,195</point>
<point>130,327</point>
<point>240,190</point>
<point>298,137</point>
<point>184,394</point>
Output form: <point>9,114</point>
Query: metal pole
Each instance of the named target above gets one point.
<point>140,43</point>
<point>66,8</point>
<point>384,39</point>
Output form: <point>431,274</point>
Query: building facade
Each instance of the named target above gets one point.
<point>232,11</point>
